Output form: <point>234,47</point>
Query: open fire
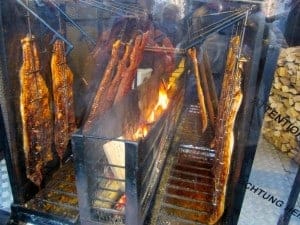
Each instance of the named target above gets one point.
<point>161,105</point>
<point>165,93</point>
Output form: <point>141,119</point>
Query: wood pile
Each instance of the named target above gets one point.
<point>285,99</point>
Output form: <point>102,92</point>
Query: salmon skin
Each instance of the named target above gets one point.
<point>62,85</point>
<point>35,113</point>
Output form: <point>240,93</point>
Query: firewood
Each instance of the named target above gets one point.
<point>292,113</point>
<point>285,98</point>
<point>291,102</point>
<point>282,71</point>
<point>297,98</point>
<point>285,88</point>
<point>285,81</point>
<point>297,106</point>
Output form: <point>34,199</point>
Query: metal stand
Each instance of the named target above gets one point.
<point>285,218</point>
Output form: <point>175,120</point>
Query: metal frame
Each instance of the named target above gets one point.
<point>259,81</point>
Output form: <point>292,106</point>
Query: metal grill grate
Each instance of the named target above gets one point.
<point>186,191</point>
<point>59,197</point>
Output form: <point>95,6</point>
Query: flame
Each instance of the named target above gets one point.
<point>141,132</point>
<point>161,105</point>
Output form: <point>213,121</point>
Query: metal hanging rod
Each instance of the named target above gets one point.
<point>102,6</point>
<point>217,13</point>
<point>165,49</point>
<point>208,27</point>
<point>57,34</point>
<point>133,8</point>
<point>198,37</point>
<point>115,8</point>
<point>86,35</point>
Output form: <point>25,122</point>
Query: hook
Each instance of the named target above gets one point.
<point>73,23</point>
<point>57,34</point>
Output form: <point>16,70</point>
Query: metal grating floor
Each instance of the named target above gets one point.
<point>272,171</point>
<point>59,197</point>
<point>186,189</point>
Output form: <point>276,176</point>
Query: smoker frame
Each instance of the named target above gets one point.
<point>243,158</point>
<point>138,167</point>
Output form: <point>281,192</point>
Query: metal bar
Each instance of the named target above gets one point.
<point>112,165</point>
<point>106,138</point>
<point>40,199</point>
<point>132,8</point>
<point>86,35</point>
<point>191,182</point>
<point>108,189</point>
<point>184,209</point>
<point>244,151</point>
<point>176,187</point>
<point>132,189</point>
<point>102,6</point>
<point>81,172</point>
<point>110,178</point>
<point>293,197</point>
<point>105,210</point>
<point>25,214</point>
<point>57,34</point>
<point>226,19</point>
<point>191,174</point>
<point>62,192</point>
<point>7,121</point>
<point>196,40</point>
<point>101,199</point>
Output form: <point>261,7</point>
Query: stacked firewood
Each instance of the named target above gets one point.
<point>285,99</point>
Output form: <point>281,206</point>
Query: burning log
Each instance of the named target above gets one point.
<point>35,113</point>
<point>62,80</point>
<point>193,54</point>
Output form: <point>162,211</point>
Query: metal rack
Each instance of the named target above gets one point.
<point>117,8</point>
<point>195,39</point>
<point>228,18</point>
<point>57,34</point>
